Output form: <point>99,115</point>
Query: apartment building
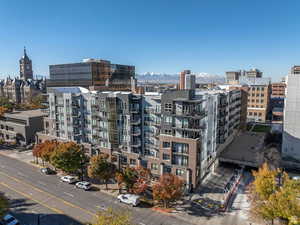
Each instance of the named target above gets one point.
<point>278,90</point>
<point>291,124</point>
<point>178,131</point>
<point>259,92</point>
<point>93,74</point>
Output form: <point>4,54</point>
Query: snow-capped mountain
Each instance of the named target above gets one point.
<point>153,77</point>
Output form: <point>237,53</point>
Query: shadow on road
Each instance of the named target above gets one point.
<point>45,219</point>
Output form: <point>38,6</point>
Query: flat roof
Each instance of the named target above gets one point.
<point>25,114</point>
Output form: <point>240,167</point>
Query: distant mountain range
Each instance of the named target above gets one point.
<point>152,77</point>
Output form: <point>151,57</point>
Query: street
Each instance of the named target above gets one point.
<point>33,193</point>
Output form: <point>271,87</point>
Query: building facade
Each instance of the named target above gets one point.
<point>291,124</point>
<point>259,92</point>
<point>278,90</point>
<point>179,131</point>
<point>21,126</point>
<point>190,81</point>
<point>21,91</point>
<point>92,74</point>
<point>182,79</point>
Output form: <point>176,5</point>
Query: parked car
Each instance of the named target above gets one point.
<point>47,171</point>
<point>69,179</point>
<point>10,220</point>
<point>129,199</point>
<point>83,185</point>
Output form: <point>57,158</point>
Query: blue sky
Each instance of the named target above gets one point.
<point>168,36</point>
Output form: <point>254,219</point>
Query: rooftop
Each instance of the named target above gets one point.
<point>25,114</point>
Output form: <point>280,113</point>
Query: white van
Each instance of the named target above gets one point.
<point>129,199</point>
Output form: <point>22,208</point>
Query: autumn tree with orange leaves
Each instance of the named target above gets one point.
<point>44,150</point>
<point>136,180</point>
<point>168,189</point>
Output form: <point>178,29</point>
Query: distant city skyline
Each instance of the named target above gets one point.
<point>203,36</point>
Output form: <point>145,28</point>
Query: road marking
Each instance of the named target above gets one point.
<point>69,194</point>
<point>50,195</point>
<point>42,183</point>
<point>141,223</point>
<point>101,207</point>
<point>29,197</point>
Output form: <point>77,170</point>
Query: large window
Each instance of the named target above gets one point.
<point>180,148</point>
<point>180,160</point>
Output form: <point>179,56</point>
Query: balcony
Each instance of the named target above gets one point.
<point>136,144</point>
<point>190,114</point>
<point>135,121</point>
<point>136,132</point>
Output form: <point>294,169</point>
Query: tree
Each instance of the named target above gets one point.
<point>4,205</point>
<point>168,189</point>
<point>136,180</point>
<point>5,102</point>
<point>265,181</point>
<point>111,217</point>
<point>100,168</point>
<point>142,181</point>
<point>44,150</point>
<point>275,196</point>
<point>3,110</point>
<point>69,157</point>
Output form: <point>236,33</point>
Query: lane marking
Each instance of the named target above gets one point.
<point>30,197</point>
<point>69,194</point>
<point>50,195</point>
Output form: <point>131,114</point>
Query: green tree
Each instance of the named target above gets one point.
<point>111,217</point>
<point>101,169</point>
<point>4,205</point>
<point>69,157</point>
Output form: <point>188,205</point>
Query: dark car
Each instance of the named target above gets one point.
<point>47,171</point>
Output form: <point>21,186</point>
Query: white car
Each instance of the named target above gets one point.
<point>129,199</point>
<point>10,220</point>
<point>69,179</point>
<point>83,185</point>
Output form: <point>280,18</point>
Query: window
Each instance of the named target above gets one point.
<point>250,113</point>
<point>168,132</point>
<point>262,101</point>
<point>262,95</point>
<point>166,156</point>
<point>168,119</point>
<point>180,160</point>
<point>259,114</point>
<point>180,148</point>
<point>255,113</point>
<point>168,107</point>
<point>179,172</point>
<point>133,161</point>
<point>166,144</point>
<point>154,166</point>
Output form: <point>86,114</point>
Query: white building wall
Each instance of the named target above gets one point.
<point>291,126</point>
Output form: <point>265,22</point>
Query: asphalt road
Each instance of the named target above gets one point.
<point>57,203</point>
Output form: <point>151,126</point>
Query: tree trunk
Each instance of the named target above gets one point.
<point>106,187</point>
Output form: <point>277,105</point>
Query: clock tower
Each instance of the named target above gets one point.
<point>25,67</point>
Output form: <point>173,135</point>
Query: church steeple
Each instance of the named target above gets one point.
<point>25,67</point>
